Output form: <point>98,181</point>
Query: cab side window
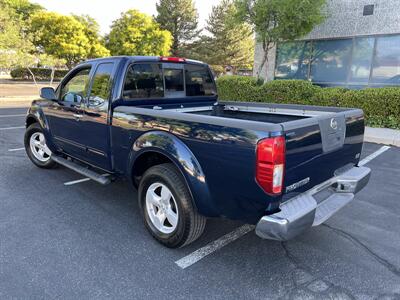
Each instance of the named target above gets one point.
<point>101,87</point>
<point>144,81</point>
<point>74,91</point>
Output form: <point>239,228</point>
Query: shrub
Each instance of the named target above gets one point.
<point>328,96</point>
<point>381,106</point>
<point>239,88</point>
<point>288,91</point>
<point>40,73</point>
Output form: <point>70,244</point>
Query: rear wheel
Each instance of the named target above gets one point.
<point>36,147</point>
<point>167,207</point>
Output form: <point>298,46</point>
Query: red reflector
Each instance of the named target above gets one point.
<point>270,164</point>
<point>172,59</point>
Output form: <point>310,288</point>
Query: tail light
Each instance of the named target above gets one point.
<point>270,164</point>
<point>172,59</point>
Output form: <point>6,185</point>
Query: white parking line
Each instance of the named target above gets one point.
<point>76,181</point>
<point>9,128</point>
<point>373,155</point>
<point>199,254</point>
<point>82,180</point>
<point>195,256</point>
<point>16,149</point>
<point>11,116</point>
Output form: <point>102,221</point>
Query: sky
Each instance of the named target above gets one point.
<point>106,11</point>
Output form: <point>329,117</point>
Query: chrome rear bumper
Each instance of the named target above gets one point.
<point>304,211</point>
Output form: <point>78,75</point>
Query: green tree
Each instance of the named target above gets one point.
<point>92,29</point>
<point>15,45</point>
<point>179,17</point>
<point>135,33</point>
<point>60,36</point>
<point>49,61</point>
<point>230,43</point>
<point>16,48</point>
<point>23,9</point>
<point>10,37</point>
<point>279,20</point>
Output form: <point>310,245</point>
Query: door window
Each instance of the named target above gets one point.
<point>75,89</point>
<point>101,86</point>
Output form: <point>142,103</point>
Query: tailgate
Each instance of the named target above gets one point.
<point>321,146</point>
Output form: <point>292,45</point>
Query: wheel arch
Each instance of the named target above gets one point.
<point>157,147</point>
<point>35,115</point>
<point>30,119</point>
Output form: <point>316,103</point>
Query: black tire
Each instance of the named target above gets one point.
<point>190,223</point>
<point>34,128</point>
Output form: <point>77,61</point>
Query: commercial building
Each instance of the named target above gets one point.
<point>357,46</point>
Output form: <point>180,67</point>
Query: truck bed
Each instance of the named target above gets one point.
<point>320,141</point>
<point>313,142</point>
<point>253,116</point>
<point>263,112</point>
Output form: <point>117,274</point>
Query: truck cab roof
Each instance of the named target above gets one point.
<point>145,59</point>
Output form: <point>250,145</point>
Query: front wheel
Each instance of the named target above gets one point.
<point>36,147</point>
<point>167,207</point>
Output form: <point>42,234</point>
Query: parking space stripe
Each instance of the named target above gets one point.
<point>9,128</point>
<point>11,116</point>
<point>199,254</point>
<point>82,180</point>
<point>16,149</point>
<point>373,155</point>
<point>76,181</point>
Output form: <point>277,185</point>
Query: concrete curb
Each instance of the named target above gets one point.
<point>384,136</point>
<point>16,101</point>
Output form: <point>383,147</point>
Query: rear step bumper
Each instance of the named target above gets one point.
<point>304,211</point>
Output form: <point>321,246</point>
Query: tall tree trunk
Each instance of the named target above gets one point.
<point>263,62</point>
<point>33,77</point>
<point>52,75</point>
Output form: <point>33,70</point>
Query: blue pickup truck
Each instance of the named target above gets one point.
<point>157,122</point>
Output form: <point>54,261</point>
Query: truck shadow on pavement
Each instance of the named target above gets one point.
<point>101,228</point>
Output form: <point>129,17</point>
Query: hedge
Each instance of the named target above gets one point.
<point>381,106</point>
<point>40,73</point>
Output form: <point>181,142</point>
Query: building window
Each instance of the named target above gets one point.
<point>361,61</point>
<point>352,62</point>
<point>293,60</point>
<point>386,65</point>
<point>368,10</point>
<point>331,61</point>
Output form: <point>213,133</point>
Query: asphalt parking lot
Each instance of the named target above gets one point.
<point>85,241</point>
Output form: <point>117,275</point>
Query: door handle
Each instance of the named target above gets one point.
<point>77,116</point>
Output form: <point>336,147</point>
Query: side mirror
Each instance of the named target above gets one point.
<point>48,93</point>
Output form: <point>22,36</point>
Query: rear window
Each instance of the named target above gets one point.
<point>152,80</point>
<point>144,81</point>
<point>173,80</point>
